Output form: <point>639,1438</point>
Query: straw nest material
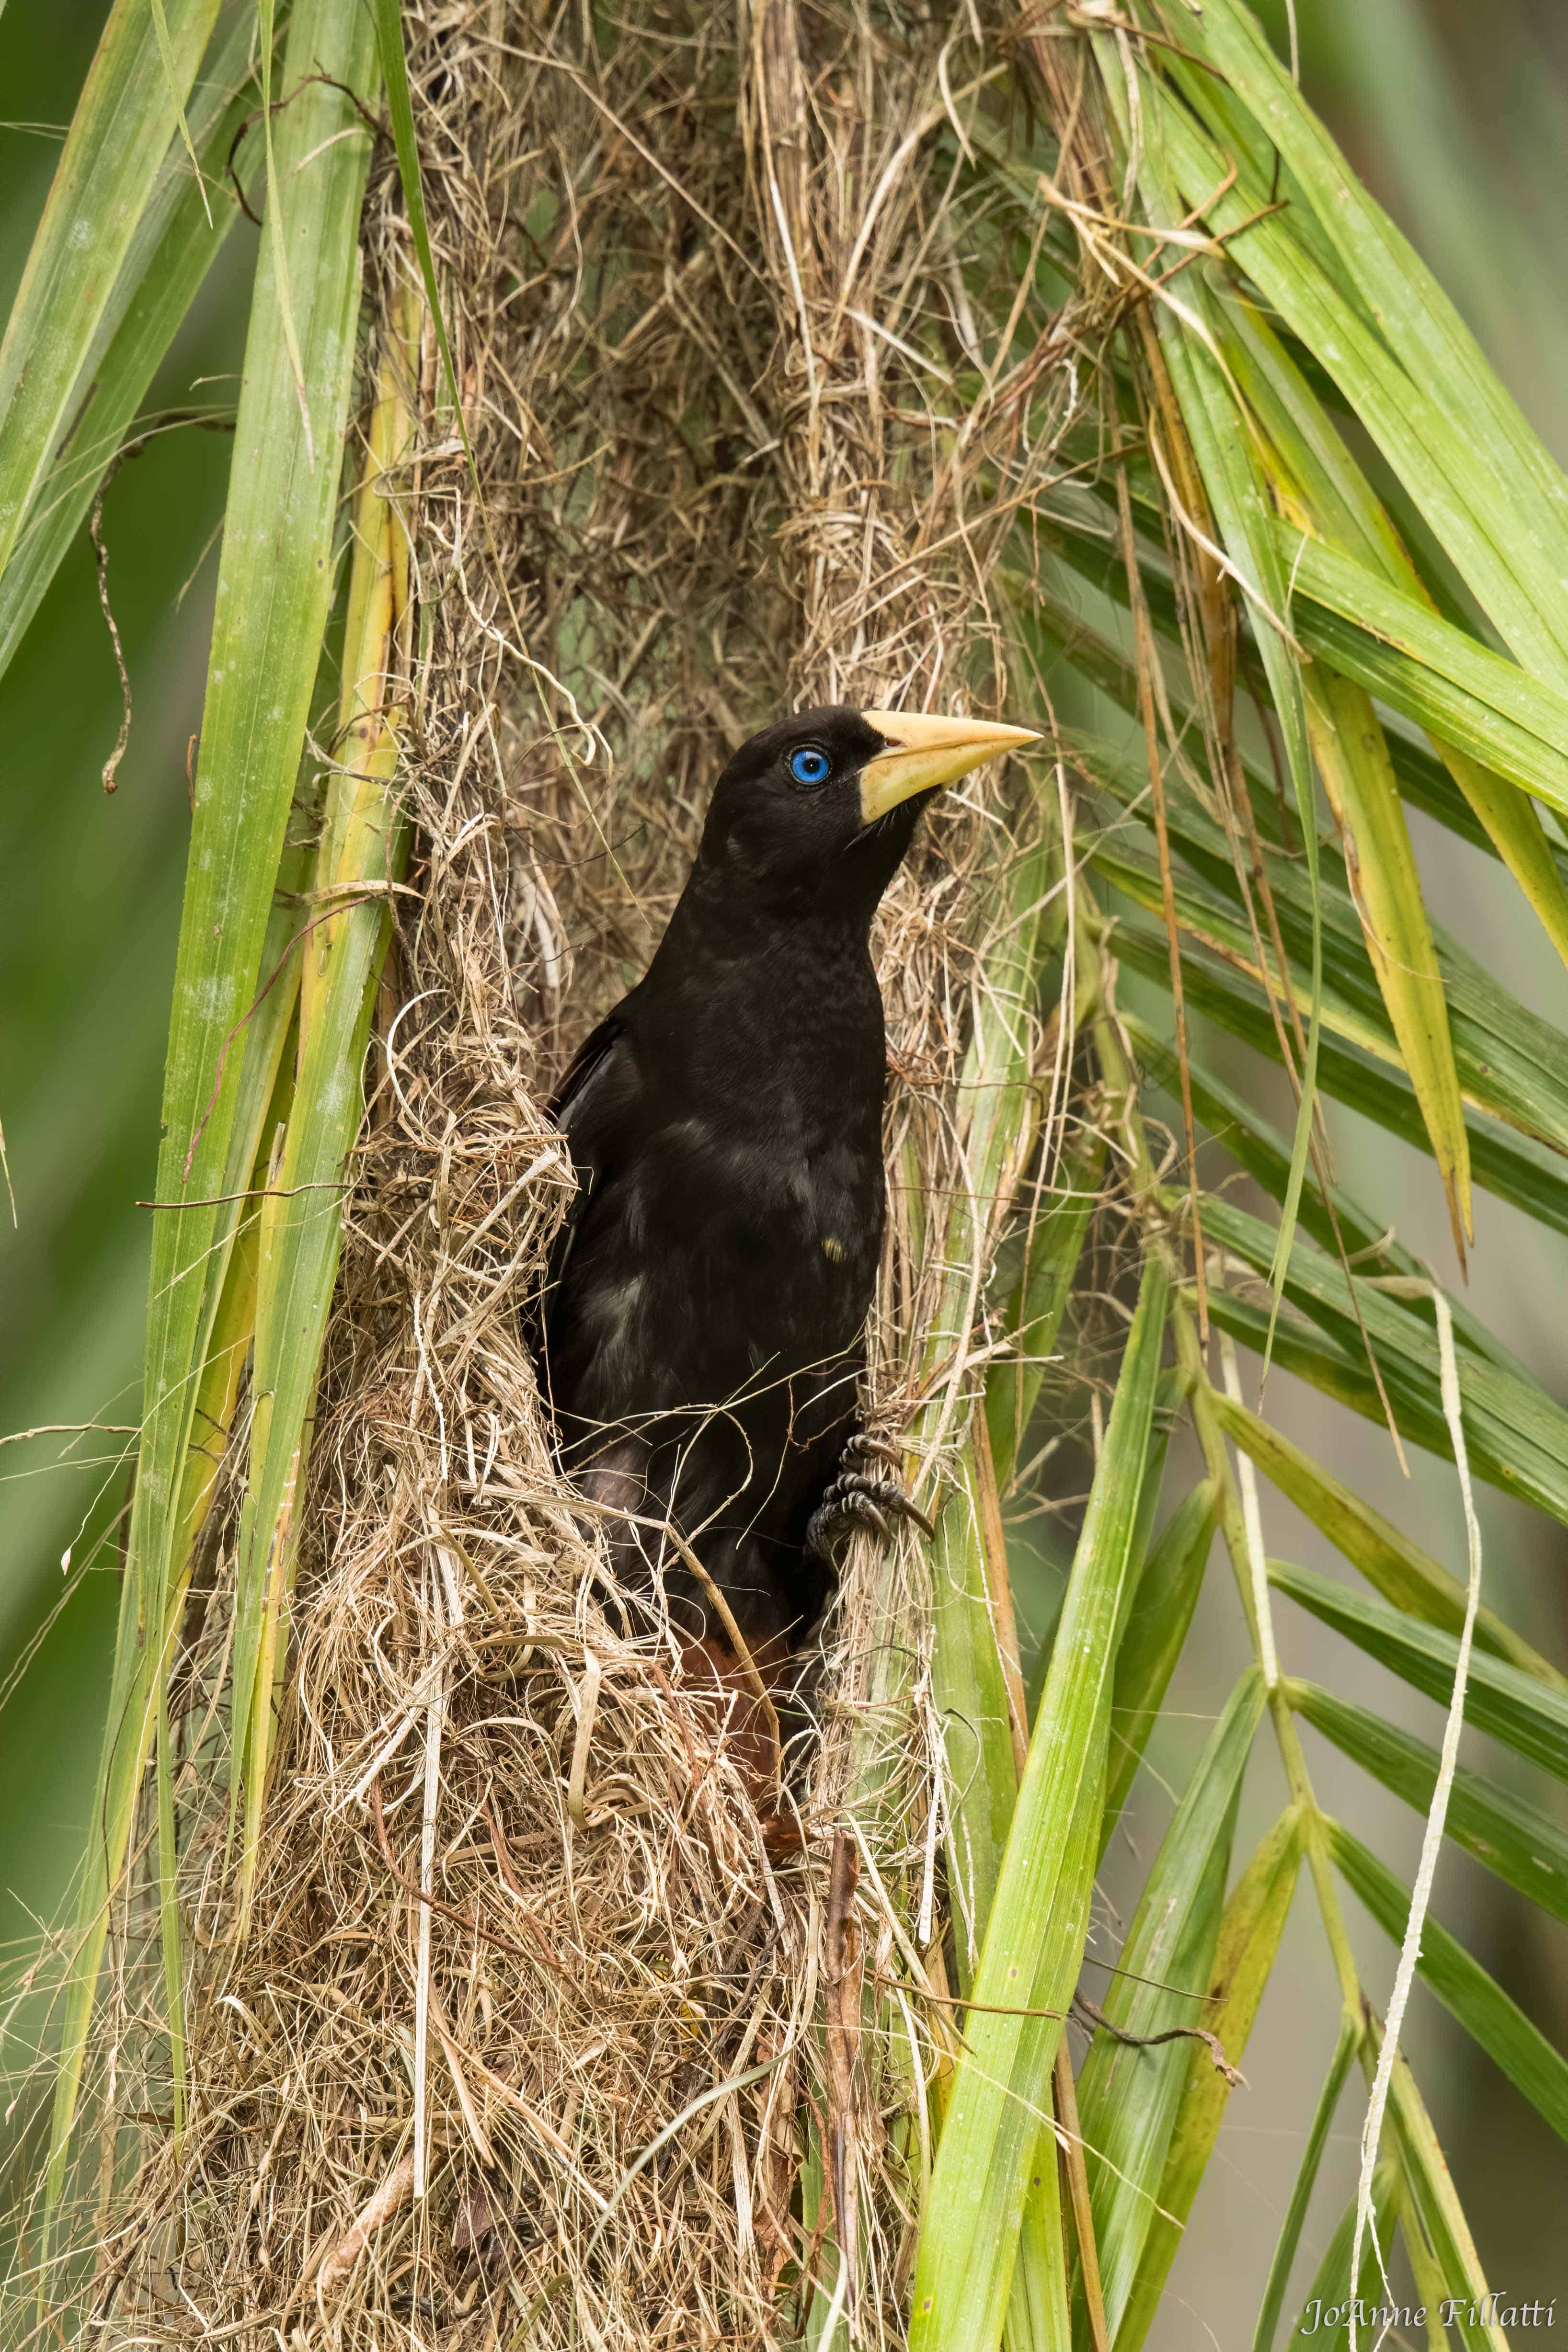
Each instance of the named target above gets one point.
<point>528,2038</point>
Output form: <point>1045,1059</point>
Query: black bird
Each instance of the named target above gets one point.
<point>704,1317</point>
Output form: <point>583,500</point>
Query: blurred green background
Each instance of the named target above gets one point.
<point>1459,119</point>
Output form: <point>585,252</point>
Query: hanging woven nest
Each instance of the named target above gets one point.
<point>506,2027</point>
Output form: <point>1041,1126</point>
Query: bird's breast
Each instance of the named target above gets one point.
<point>809,1204</point>
<point>729,1230</point>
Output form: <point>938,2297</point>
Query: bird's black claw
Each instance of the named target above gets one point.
<point>861,1448</point>
<point>891,1492</point>
<point>857,1498</point>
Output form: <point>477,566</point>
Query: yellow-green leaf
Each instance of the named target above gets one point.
<point>363,837</point>
<point>1128,2097</point>
<point>1379,864</point>
<point>1397,1567</point>
<point>1244,1959</point>
<point>1506,1834</point>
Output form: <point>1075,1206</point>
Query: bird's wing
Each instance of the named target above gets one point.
<point>601,1075</point>
<point>588,1063</point>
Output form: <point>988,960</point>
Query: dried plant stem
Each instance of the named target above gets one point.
<point>1437,1812</point>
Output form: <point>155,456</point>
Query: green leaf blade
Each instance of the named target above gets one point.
<point>1521,1845</point>
<point>1306,2180</point>
<point>1244,1958</point>
<point>175,245</point>
<point>1128,2097</point>
<point>1404,1575</point>
<point>1518,1437</point>
<point>969,2238</point>
<point>1157,1622</point>
<point>1522,1713</point>
<point>119,135</point>
<point>1512,1166</point>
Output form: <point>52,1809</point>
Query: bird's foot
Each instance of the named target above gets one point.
<point>861,1498</point>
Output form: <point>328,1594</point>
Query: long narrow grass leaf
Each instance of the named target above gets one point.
<point>1469,2309</point>
<point>1512,1064</point>
<point>1325,2314</point>
<point>1128,2097</point>
<point>1306,2180</point>
<point>277,232</point>
<point>1513,1167</point>
<point>1405,1575</point>
<point>360,860</point>
<point>1400,375</point>
<point>1052,1247</point>
<point>1353,759</point>
<point>1245,1954</point>
<point>1497,2024</point>
<point>172,76</point>
<point>970,1590</point>
<point>168,261</point>
<point>1333,1219</point>
<point>969,1692</point>
<point>1512,1706</point>
<point>1038,2316</point>
<point>1456,788</point>
<point>114,150</point>
<point>1239,498</point>
<point>1521,1845</point>
<point>393,62</point>
<point>1517,1437</point>
<point>1157,1622</point>
<point>1034,1943</point>
<point>1441,677</point>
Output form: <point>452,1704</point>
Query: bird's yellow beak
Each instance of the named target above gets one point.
<point>924,752</point>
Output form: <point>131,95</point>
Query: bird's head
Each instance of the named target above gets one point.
<point>820,807</point>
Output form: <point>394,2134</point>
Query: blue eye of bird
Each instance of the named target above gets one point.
<point>809,766</point>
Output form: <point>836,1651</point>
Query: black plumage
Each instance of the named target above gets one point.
<point>703,1322</point>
